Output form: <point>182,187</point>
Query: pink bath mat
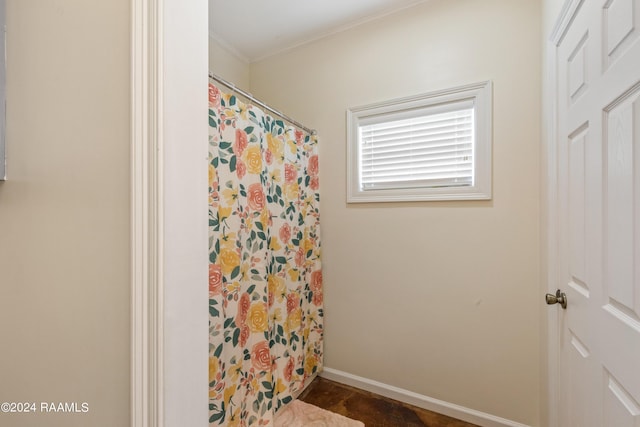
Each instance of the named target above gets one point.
<point>301,414</point>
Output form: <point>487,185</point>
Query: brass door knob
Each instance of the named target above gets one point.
<point>558,298</point>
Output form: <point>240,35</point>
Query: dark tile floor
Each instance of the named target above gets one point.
<point>373,410</point>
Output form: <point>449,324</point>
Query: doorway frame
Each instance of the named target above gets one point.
<point>550,225</point>
<point>169,245</point>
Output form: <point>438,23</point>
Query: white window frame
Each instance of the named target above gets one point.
<point>481,96</point>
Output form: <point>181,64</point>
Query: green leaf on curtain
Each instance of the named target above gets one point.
<point>218,351</point>
<point>281,259</point>
<point>228,322</point>
<point>248,130</point>
<point>251,288</point>
<point>260,226</point>
<point>213,311</point>
<point>232,164</point>
<point>235,272</point>
<point>236,337</point>
<point>290,208</point>
<point>287,399</point>
<point>262,236</point>
<point>232,100</point>
<point>279,191</point>
<point>212,121</point>
<point>256,247</point>
<point>300,371</point>
<point>217,248</point>
<point>212,257</point>
<point>217,417</point>
<point>225,145</point>
<point>280,123</point>
<point>214,162</point>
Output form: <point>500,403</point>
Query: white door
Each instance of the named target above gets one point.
<point>598,204</point>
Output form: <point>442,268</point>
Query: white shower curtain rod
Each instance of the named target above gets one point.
<point>260,103</point>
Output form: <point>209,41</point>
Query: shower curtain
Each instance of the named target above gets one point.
<point>265,277</point>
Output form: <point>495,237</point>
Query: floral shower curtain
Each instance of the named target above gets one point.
<point>265,278</point>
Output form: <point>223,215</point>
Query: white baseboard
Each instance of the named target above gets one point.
<point>415,399</point>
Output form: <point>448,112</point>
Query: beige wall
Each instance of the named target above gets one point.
<point>227,65</point>
<point>438,298</point>
<point>64,212</point>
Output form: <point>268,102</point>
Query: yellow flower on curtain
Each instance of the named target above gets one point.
<point>276,287</point>
<point>274,245</point>
<point>229,260</point>
<point>291,146</point>
<point>213,368</point>
<point>294,320</point>
<point>276,175</point>
<point>264,217</point>
<point>276,147</point>
<point>224,212</point>
<point>232,288</point>
<point>294,274</point>
<point>280,386</point>
<point>258,318</point>
<point>292,191</point>
<point>276,316</point>
<point>234,371</point>
<point>310,364</point>
<point>235,420</point>
<point>228,394</point>
<point>253,159</point>
<point>230,195</point>
<point>228,240</point>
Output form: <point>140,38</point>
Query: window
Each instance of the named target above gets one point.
<point>435,146</point>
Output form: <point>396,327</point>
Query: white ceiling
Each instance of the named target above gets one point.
<point>255,29</point>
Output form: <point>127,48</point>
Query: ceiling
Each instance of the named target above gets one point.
<point>256,29</point>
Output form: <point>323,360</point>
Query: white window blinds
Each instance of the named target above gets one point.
<point>432,148</point>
